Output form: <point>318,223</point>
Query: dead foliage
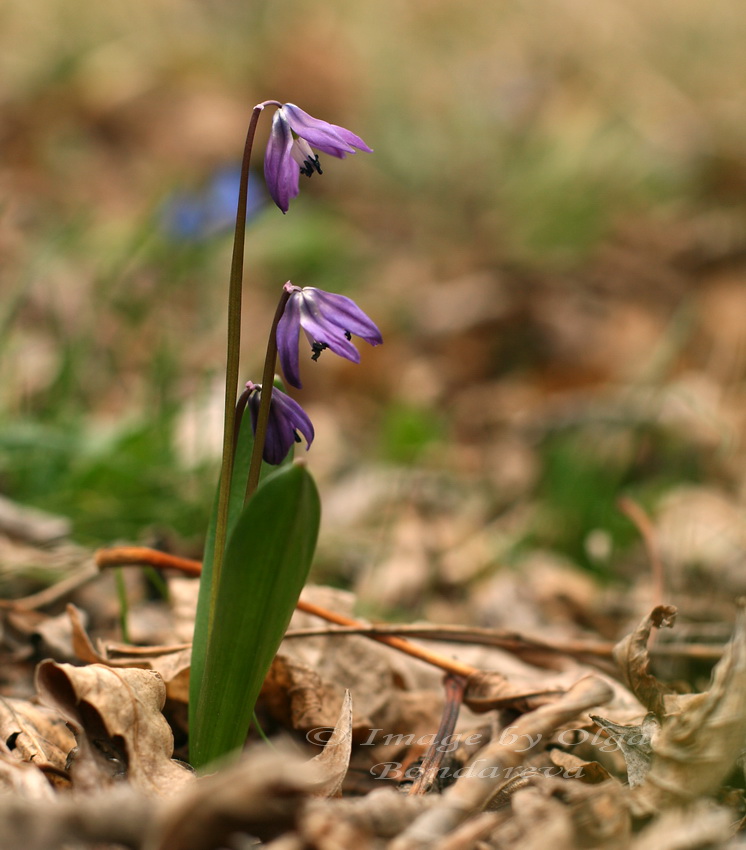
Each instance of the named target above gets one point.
<point>541,747</point>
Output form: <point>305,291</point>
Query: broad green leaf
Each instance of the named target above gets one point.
<point>266,564</point>
<point>244,447</point>
<point>238,490</point>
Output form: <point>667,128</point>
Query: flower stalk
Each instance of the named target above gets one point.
<point>235,293</point>
<point>268,379</point>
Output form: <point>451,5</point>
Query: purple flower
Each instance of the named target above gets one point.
<point>287,421</point>
<point>328,321</point>
<point>289,152</point>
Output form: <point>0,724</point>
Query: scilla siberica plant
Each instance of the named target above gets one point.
<point>263,533</point>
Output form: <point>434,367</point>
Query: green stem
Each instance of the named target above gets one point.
<point>232,360</point>
<point>123,604</point>
<point>268,380</point>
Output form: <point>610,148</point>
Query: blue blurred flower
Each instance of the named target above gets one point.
<point>195,216</point>
<point>287,421</point>
<point>328,321</point>
<point>294,133</point>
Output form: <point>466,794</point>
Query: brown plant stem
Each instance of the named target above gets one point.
<point>141,556</point>
<point>454,687</point>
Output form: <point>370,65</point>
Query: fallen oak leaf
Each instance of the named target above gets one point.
<point>173,663</point>
<point>588,772</point>
<point>119,714</point>
<point>635,743</point>
<point>488,689</point>
<point>21,781</point>
<point>35,734</point>
<point>334,760</point>
<point>45,820</point>
<point>631,654</point>
<point>261,794</point>
<point>698,746</point>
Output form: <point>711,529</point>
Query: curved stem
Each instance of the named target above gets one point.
<point>233,355</point>
<point>268,379</point>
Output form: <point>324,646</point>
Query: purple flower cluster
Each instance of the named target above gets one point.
<point>328,320</point>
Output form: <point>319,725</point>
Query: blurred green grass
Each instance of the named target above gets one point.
<point>505,136</point>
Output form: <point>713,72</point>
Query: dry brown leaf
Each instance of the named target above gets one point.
<point>117,816</point>
<point>475,788</point>
<point>35,734</point>
<point>697,747</point>
<point>172,663</point>
<point>119,712</point>
<point>334,761</point>
<point>260,795</point>
<point>489,690</point>
<point>702,825</point>
<point>590,772</point>
<point>631,655</point>
<point>539,821</point>
<point>19,780</point>
<point>635,744</point>
<point>383,813</point>
<point>367,668</point>
<point>296,696</point>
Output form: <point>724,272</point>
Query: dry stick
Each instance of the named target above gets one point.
<point>594,650</point>
<point>55,592</point>
<point>134,555</point>
<point>455,687</point>
<point>450,665</point>
<point>141,556</point>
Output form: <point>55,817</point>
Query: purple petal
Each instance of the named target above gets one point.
<point>352,139</point>
<point>281,171</point>
<point>319,134</point>
<point>288,329</point>
<point>280,435</point>
<point>329,335</point>
<point>293,413</point>
<point>286,417</point>
<point>344,313</point>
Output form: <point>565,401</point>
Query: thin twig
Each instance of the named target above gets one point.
<point>455,687</point>
<point>139,556</point>
<point>55,592</point>
<point>510,641</point>
<point>517,644</point>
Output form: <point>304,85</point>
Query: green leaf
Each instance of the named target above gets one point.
<point>241,463</point>
<point>266,564</point>
<point>244,446</point>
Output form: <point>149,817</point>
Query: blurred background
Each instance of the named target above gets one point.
<point>550,235</point>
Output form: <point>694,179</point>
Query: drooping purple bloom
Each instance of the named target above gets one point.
<point>294,133</point>
<point>287,421</point>
<point>328,320</point>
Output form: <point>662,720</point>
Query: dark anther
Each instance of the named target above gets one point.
<point>317,348</point>
<point>310,165</point>
<point>348,335</point>
<point>297,437</point>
